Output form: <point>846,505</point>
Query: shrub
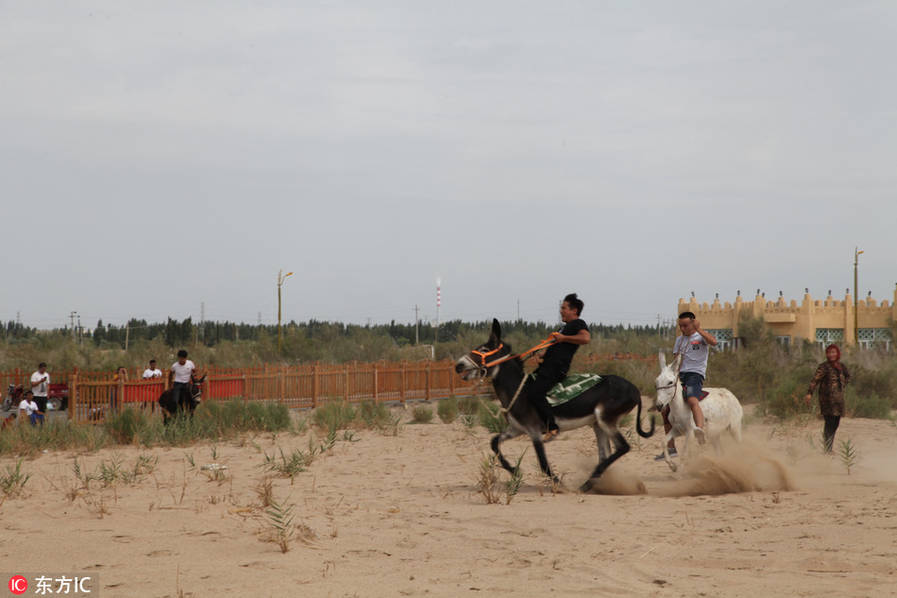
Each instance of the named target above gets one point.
<point>871,406</point>
<point>373,414</point>
<point>422,414</point>
<point>125,427</point>
<point>447,410</point>
<point>867,382</point>
<point>492,419</point>
<point>787,398</point>
<point>334,416</point>
<point>468,405</point>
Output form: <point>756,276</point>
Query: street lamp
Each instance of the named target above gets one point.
<point>856,262</point>
<point>280,278</point>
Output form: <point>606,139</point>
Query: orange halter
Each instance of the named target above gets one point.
<point>484,354</point>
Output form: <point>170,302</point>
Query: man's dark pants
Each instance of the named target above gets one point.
<point>180,394</point>
<point>538,388</point>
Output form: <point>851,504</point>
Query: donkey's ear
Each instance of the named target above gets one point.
<point>496,331</point>
<point>676,362</point>
<point>662,359</point>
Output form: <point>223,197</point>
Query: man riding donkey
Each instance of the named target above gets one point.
<point>694,346</point>
<point>555,363</point>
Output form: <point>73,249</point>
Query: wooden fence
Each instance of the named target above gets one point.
<point>94,394</point>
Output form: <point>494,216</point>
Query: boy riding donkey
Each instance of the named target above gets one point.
<point>555,363</point>
<point>694,346</point>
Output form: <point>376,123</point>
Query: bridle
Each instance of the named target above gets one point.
<point>195,385</point>
<point>674,384</point>
<point>483,365</point>
<point>484,354</point>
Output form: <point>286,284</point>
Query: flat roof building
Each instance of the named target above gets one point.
<point>823,321</point>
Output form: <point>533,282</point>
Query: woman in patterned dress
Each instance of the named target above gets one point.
<point>831,379</point>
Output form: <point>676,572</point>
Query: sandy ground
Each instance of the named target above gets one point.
<point>400,515</point>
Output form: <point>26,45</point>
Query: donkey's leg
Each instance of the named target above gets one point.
<point>622,448</point>
<point>602,441</point>
<point>543,460</point>
<point>496,447</point>
<point>735,430</point>
<point>666,448</point>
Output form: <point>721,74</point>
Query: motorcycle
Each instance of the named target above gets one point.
<point>13,397</point>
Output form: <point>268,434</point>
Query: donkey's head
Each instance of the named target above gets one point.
<point>196,389</point>
<point>665,383</point>
<point>477,363</point>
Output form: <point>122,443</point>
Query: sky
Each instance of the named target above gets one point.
<point>168,159</point>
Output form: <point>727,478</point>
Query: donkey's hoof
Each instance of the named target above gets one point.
<point>586,486</point>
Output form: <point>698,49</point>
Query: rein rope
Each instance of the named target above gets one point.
<point>522,356</point>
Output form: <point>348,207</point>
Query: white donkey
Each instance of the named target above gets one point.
<point>721,409</point>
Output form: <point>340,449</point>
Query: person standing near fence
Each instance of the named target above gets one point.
<point>831,379</point>
<point>40,387</point>
<point>121,375</point>
<point>152,371</point>
<point>180,375</point>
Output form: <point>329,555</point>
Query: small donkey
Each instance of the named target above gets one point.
<point>721,409</point>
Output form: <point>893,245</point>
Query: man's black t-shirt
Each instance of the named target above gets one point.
<point>558,356</point>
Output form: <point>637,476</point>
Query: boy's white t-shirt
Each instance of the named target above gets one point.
<point>28,406</point>
<point>182,373</point>
<point>694,350</point>
<point>148,373</point>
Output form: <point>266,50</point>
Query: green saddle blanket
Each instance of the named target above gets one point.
<point>571,387</point>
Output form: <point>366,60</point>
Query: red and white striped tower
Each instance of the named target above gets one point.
<point>438,305</point>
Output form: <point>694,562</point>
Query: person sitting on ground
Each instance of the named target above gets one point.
<point>28,408</point>
<point>555,363</point>
<point>694,346</point>
<point>831,379</point>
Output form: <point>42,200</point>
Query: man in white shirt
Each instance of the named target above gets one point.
<point>180,375</point>
<point>28,408</point>
<point>40,386</point>
<point>152,371</point>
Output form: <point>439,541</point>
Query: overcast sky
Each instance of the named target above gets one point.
<point>155,156</point>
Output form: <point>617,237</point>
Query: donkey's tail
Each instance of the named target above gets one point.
<point>638,420</point>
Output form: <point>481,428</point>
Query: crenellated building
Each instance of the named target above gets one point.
<point>823,321</point>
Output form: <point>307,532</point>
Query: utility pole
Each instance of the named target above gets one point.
<point>127,333</point>
<point>260,319</point>
<point>72,319</point>
<point>438,303</point>
<point>856,262</point>
<point>280,279</point>
<point>80,331</point>
<point>416,325</point>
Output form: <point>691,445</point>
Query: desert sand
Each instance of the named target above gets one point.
<point>383,515</point>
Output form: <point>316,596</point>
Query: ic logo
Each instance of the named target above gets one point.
<point>18,584</point>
